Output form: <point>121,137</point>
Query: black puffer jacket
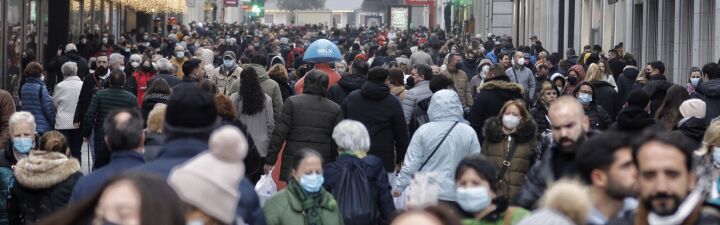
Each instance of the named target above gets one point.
<point>543,173</point>
<point>626,82</point>
<point>345,85</point>
<point>709,91</point>
<point>54,67</point>
<point>632,119</point>
<point>488,102</point>
<point>656,87</point>
<point>599,118</point>
<point>306,121</point>
<point>694,128</point>
<point>539,113</point>
<point>382,115</point>
<point>607,97</point>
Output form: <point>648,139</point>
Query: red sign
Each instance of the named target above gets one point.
<point>231,3</point>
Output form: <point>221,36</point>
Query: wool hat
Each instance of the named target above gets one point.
<point>693,108</point>
<point>191,110</point>
<point>638,98</point>
<point>210,181</point>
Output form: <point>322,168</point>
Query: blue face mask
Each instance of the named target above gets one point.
<point>695,81</point>
<point>585,98</point>
<point>312,182</point>
<point>22,145</point>
<point>228,63</point>
<point>716,155</point>
<point>473,199</point>
<point>180,54</point>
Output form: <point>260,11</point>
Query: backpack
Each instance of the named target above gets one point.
<point>355,196</point>
<point>419,115</point>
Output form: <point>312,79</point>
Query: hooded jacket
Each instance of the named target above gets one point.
<point>43,184</point>
<point>709,91</point>
<point>269,87</point>
<point>632,119</point>
<point>345,85</point>
<point>607,97</point>
<point>445,110</point>
<point>497,147</point>
<point>626,81</point>
<point>306,121</point>
<point>36,100</point>
<point>72,56</point>
<point>693,128</point>
<point>539,113</point>
<point>414,95</point>
<point>382,115</point>
<point>488,102</point>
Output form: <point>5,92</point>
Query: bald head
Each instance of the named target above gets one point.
<point>124,130</point>
<point>568,121</point>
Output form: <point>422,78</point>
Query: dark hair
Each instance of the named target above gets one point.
<point>33,69</point>
<point>598,152</point>
<point>712,70</point>
<point>397,77</point>
<point>586,83</point>
<point>542,67</point>
<point>613,52</point>
<point>660,66</point>
<point>225,108</point>
<point>208,86</point>
<point>123,134</point>
<point>54,141</point>
<point>160,86</point>
<point>668,115</point>
<point>675,139</point>
<point>117,78</point>
<point>424,70</point>
<point>251,94</point>
<point>360,67</point>
<point>299,156</point>
<point>259,59</point>
<point>159,204</point>
<point>440,83</point>
<point>189,66</point>
<point>378,74</point>
<point>482,166</point>
<point>629,59</point>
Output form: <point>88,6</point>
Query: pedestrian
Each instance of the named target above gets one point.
<point>655,84</point>
<point>576,74</point>
<point>626,80</point>
<point>208,182</point>
<point>354,141</point>
<point>155,138</point>
<point>124,135</point>
<point>607,96</point>
<point>598,116</point>
<point>254,109</point>
<point>304,201</point>
<point>102,103</point>
<point>195,73</point>
<point>396,82</point>
<point>548,93</point>
<point>226,74</point>
<point>420,57</point>
<point>420,115</point>
<point>65,100</point>
<point>7,109</point>
<point>129,198</point>
<point>433,215</point>
<point>709,156</point>
<point>510,142</point>
<point>158,93</point>
<point>36,99</point>
<point>460,79</point>
<point>130,69</point>
<point>179,59</point>
<point>694,80</point>
<point>164,71</point>
<point>522,75</point>
<point>495,91</point>
<point>707,91</point>
<point>668,114</point>
<point>279,74</point>
<point>43,180</point>
<point>314,131</point>
<point>478,194</point>
<point>349,83</point>
<point>141,78</point>
<point>446,120</point>
<point>421,75</point>
<point>565,202</point>
<point>269,87</point>
<point>634,118</point>
<point>692,122</point>
<point>70,55</point>
<point>22,138</point>
<point>91,85</point>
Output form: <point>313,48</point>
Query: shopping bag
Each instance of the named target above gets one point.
<point>401,201</point>
<point>86,162</point>
<point>265,188</point>
<point>276,172</point>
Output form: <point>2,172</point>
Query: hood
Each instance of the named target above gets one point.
<point>45,169</point>
<point>445,106</point>
<point>375,91</point>
<point>493,131</point>
<point>631,72</point>
<point>73,55</point>
<point>352,82</point>
<point>316,83</point>
<point>279,58</point>
<point>601,83</point>
<point>206,56</point>
<point>634,118</point>
<point>693,127</point>
<point>710,88</point>
<point>502,85</point>
<point>261,72</point>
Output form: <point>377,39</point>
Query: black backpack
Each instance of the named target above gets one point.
<point>355,196</point>
<point>419,115</point>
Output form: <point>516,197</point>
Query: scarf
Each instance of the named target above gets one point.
<point>310,202</point>
<point>356,154</point>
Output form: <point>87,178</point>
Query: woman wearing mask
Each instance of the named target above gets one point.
<point>21,128</point>
<point>576,74</point>
<point>43,181</point>
<point>158,92</point>
<point>510,140</point>
<point>605,91</point>
<point>694,80</point>
<point>709,160</point>
<point>477,194</point>
<point>254,109</point>
<point>304,201</point>
<point>132,66</point>
<point>146,72</point>
<point>599,118</point>
<point>36,99</point>
<point>539,111</point>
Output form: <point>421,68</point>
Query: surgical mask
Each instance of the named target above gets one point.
<point>127,49</point>
<point>22,144</point>
<point>104,40</point>
<point>695,81</point>
<point>521,61</point>
<point>510,121</point>
<point>83,41</point>
<point>134,64</point>
<point>180,54</point>
<point>312,182</point>
<point>473,199</point>
<point>146,37</point>
<point>585,98</point>
<point>195,222</point>
<point>716,155</point>
<point>228,41</point>
<point>228,63</point>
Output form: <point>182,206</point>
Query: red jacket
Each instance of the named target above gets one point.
<point>142,80</point>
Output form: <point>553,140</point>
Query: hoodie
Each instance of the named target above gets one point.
<point>709,91</point>
<point>632,119</point>
<point>345,85</point>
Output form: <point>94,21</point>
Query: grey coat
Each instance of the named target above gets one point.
<point>416,94</point>
<point>260,125</point>
<point>524,77</point>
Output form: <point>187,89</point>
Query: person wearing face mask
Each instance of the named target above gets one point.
<point>510,140</point>
<point>599,117</point>
<point>709,163</point>
<point>304,201</point>
<point>520,74</point>
<point>226,74</point>
<point>22,134</point>
<point>460,79</point>
<point>576,74</point>
<point>140,79</point>
<point>179,59</point>
<point>480,203</point>
<point>694,80</point>
<point>130,68</point>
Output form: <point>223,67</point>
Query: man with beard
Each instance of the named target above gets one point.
<point>605,164</point>
<point>460,79</point>
<point>569,126</point>
<point>667,183</point>
<point>91,85</point>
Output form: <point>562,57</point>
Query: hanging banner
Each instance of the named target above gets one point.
<point>399,17</point>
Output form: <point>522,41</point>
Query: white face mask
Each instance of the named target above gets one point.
<point>510,121</point>
<point>521,61</point>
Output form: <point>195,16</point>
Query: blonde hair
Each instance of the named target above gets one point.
<point>278,72</point>
<point>594,73</point>
<point>520,104</point>
<point>711,138</point>
<point>156,118</point>
<point>570,198</point>
<point>54,141</point>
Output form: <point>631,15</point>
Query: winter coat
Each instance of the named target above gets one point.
<point>599,118</point>
<point>657,87</point>
<point>632,119</point>
<point>345,85</point>
<point>626,82</point>
<point>693,128</point>
<point>43,184</point>
<point>607,97</point>
<point>269,87</point>
<point>414,95</point>
<point>285,89</point>
<point>709,91</point>
<point>539,113</point>
<point>524,77</point>
<point>445,110</point>
<point>488,102</point>
<point>306,121</point>
<point>91,85</point>
<point>7,162</point>
<point>462,86</point>
<point>55,66</point>
<point>153,144</point>
<point>377,178</point>
<point>333,77</point>
<point>382,115</point>
<point>179,63</point>
<point>101,105</point>
<point>284,208</point>
<point>701,214</point>
<point>260,125</point>
<point>420,57</point>
<point>120,161</point>
<point>399,92</point>
<point>141,78</point>
<point>171,79</point>
<point>65,100</point>
<point>223,78</point>
<point>36,100</point>
<point>499,217</point>
<point>7,108</point>
<point>497,147</point>
<point>149,102</point>
<point>616,67</point>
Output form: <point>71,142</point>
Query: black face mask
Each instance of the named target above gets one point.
<point>572,80</point>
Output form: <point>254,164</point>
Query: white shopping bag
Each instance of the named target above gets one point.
<point>86,162</point>
<point>265,188</point>
<point>400,202</point>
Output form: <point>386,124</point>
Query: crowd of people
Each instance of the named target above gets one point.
<point>406,127</point>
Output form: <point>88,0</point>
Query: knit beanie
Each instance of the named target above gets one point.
<point>638,98</point>
<point>693,108</point>
<point>192,110</point>
<point>210,181</point>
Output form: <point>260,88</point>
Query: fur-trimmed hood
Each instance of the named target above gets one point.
<point>493,131</point>
<point>43,169</point>
<point>502,85</point>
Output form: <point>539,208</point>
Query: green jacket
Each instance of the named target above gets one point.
<point>269,87</point>
<point>285,209</point>
<point>517,215</point>
<point>102,103</point>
